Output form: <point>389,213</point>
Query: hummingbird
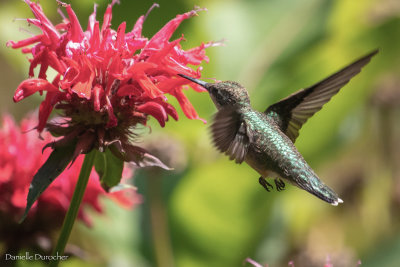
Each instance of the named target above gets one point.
<point>265,140</point>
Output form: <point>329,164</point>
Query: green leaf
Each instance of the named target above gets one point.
<point>50,170</point>
<point>109,168</point>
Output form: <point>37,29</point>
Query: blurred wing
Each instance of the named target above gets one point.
<point>293,111</point>
<point>230,134</point>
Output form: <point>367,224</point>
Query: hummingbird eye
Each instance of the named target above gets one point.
<point>218,95</point>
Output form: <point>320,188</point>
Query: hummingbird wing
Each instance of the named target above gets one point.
<point>230,134</point>
<point>293,111</point>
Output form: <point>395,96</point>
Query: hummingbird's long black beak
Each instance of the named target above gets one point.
<point>199,82</point>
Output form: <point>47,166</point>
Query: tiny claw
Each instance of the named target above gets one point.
<point>280,185</point>
<point>265,184</point>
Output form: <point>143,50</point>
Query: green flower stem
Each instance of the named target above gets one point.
<point>73,207</point>
<point>159,220</point>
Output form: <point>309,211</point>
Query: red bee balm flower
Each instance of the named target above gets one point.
<point>19,160</point>
<point>106,76</point>
<point>107,81</point>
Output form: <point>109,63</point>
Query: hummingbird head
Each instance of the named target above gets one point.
<point>224,93</point>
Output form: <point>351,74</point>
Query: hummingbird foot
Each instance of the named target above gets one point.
<point>265,184</point>
<point>280,185</point>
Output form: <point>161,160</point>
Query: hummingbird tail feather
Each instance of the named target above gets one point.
<point>316,187</point>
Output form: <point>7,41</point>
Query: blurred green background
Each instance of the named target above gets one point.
<point>211,211</point>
